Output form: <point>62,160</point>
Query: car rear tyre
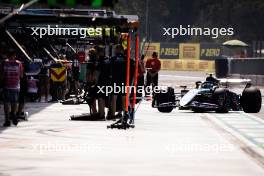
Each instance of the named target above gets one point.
<point>165,109</point>
<point>198,110</point>
<point>251,100</point>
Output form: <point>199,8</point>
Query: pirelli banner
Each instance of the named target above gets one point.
<point>185,56</point>
<point>210,51</point>
<point>149,48</point>
<point>190,51</point>
<point>169,50</point>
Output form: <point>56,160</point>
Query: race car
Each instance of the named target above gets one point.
<point>210,95</point>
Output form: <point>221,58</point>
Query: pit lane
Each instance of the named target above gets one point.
<point>178,143</point>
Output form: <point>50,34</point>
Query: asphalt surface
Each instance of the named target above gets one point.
<point>179,143</point>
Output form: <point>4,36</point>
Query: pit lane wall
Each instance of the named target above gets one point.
<point>188,65</point>
<point>185,56</point>
<point>247,68</point>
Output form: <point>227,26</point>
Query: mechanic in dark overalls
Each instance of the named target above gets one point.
<point>76,74</point>
<point>44,79</point>
<point>141,75</point>
<point>119,80</point>
<point>91,81</point>
<point>104,79</point>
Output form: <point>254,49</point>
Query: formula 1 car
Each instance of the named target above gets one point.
<point>211,95</point>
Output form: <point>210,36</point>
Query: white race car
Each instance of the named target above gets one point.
<point>211,95</point>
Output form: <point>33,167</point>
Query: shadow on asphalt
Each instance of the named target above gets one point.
<point>31,108</point>
<point>211,112</point>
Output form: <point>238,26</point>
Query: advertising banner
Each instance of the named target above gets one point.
<point>190,51</point>
<point>178,65</point>
<point>149,48</point>
<point>188,65</point>
<point>210,51</point>
<point>169,51</point>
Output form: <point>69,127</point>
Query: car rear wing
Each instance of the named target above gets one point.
<point>233,81</point>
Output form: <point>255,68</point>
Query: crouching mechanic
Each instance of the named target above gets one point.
<point>12,73</point>
<point>91,81</point>
<point>104,80</point>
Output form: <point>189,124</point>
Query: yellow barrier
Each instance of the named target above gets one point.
<point>58,74</point>
<point>188,65</point>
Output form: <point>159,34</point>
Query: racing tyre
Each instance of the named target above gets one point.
<point>165,109</point>
<point>220,98</point>
<point>166,97</point>
<point>251,100</point>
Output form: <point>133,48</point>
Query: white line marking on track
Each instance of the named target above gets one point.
<point>178,76</point>
<point>254,117</point>
<point>255,146</point>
